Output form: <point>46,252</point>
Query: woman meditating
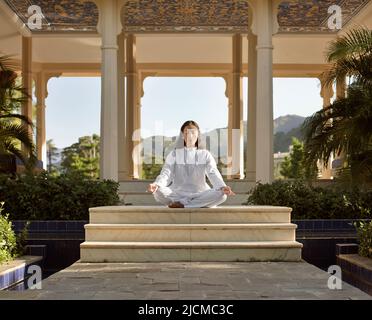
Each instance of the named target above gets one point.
<point>181,182</point>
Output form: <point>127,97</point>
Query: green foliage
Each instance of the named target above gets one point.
<point>14,127</point>
<point>151,170</point>
<point>48,197</point>
<point>51,157</point>
<point>11,245</point>
<point>344,128</point>
<point>294,167</point>
<point>310,202</point>
<point>364,231</point>
<point>283,140</point>
<point>221,166</point>
<point>22,240</point>
<point>82,157</point>
<point>8,241</point>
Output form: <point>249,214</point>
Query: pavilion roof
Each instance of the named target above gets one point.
<point>302,16</point>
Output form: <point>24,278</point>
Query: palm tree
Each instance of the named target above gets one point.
<point>344,127</point>
<point>14,126</point>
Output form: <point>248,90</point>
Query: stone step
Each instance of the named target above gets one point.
<point>138,199</point>
<point>162,214</point>
<point>190,251</point>
<point>139,186</point>
<point>159,233</point>
<point>190,232</point>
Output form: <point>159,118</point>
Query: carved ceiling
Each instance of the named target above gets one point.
<point>184,15</point>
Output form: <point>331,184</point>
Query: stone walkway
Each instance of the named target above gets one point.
<point>189,280</point>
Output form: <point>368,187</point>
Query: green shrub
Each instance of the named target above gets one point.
<point>310,202</point>
<point>22,240</point>
<point>8,241</point>
<point>11,245</point>
<point>47,197</point>
<point>364,231</point>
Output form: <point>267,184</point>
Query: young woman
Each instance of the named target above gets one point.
<point>181,182</point>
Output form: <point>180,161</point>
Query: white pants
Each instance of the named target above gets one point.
<point>208,198</point>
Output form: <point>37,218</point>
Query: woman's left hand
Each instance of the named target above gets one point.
<point>227,190</point>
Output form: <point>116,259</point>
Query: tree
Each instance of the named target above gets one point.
<point>82,156</point>
<point>51,157</point>
<point>282,140</point>
<point>345,126</point>
<point>294,166</point>
<point>151,170</point>
<point>14,126</point>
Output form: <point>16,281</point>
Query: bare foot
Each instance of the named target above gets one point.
<point>176,204</point>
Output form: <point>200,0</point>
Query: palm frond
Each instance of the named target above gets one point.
<point>21,117</point>
<point>355,42</point>
<point>12,96</point>
<point>8,147</point>
<point>344,127</point>
<point>16,131</point>
<point>350,55</point>
<point>7,63</point>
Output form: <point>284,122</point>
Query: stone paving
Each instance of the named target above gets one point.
<point>189,280</point>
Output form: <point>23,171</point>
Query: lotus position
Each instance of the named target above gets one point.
<point>181,182</point>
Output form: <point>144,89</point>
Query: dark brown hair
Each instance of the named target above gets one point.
<point>193,123</point>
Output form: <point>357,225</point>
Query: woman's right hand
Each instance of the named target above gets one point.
<point>152,187</point>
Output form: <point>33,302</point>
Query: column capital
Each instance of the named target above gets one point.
<point>326,91</point>
<point>41,84</point>
<point>141,90</point>
<point>228,79</point>
<point>109,20</point>
<point>262,10</point>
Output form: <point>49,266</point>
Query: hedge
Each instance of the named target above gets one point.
<point>47,197</point>
<point>310,202</point>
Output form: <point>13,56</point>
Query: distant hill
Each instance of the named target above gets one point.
<point>287,123</point>
<point>285,127</point>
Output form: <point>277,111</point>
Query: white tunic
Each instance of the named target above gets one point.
<point>185,170</point>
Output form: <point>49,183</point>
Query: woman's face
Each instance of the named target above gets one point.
<point>190,135</point>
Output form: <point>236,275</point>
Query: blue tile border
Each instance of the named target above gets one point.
<point>17,273</point>
<point>327,225</point>
<point>52,226</point>
<point>36,250</point>
<point>346,248</point>
<point>77,226</point>
<point>71,226</point>
<point>358,276</point>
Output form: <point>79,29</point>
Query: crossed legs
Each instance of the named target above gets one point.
<point>209,198</point>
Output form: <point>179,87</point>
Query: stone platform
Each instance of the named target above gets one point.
<point>153,233</point>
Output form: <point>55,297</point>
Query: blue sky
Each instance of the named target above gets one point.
<point>73,104</point>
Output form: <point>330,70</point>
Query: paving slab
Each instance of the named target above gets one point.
<point>189,280</point>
